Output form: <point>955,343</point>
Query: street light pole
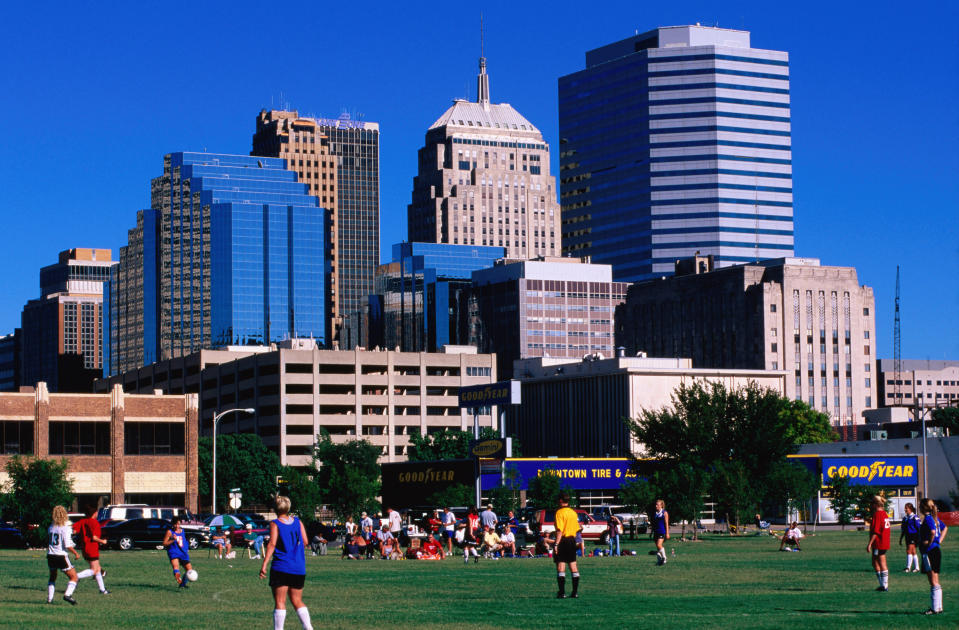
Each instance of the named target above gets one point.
<point>216,420</point>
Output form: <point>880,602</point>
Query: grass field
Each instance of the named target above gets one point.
<point>721,582</point>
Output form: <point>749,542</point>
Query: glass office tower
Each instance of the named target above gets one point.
<point>676,142</point>
<point>233,252</point>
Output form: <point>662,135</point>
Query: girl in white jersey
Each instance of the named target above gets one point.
<point>59,541</point>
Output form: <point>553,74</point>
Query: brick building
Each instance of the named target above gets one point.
<point>121,448</point>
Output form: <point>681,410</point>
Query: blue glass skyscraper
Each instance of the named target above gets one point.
<point>232,252</point>
<point>673,142</point>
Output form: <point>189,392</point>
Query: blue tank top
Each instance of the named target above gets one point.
<point>659,523</point>
<point>290,553</point>
<point>179,547</point>
<point>931,529</point>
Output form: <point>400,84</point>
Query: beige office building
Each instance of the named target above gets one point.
<point>815,322</point>
<point>299,390</point>
<point>922,383</point>
<point>484,179</point>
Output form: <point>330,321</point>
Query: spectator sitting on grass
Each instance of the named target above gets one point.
<point>508,541</point>
<point>544,543</point>
<point>318,544</point>
<point>791,537</point>
<point>432,549</point>
<point>351,550</point>
<point>491,542</point>
<point>389,546</point>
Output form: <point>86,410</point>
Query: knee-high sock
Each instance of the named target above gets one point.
<point>304,614</point>
<point>279,617</point>
<point>936,596</point>
<point>72,586</point>
<point>85,574</point>
<point>885,579</point>
<point>99,578</point>
<point>575,583</point>
<point>879,577</point>
<point>51,588</point>
<point>561,582</point>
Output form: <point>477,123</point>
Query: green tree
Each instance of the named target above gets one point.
<point>34,487</point>
<point>304,494</point>
<point>639,495</point>
<point>683,488</point>
<point>348,475</point>
<point>242,461</point>
<point>505,497</point>
<point>863,496</point>
<point>843,500</point>
<point>947,418</point>
<point>543,491</point>
<point>802,424</point>
<point>734,492</point>
<point>448,444</point>
<point>790,485</point>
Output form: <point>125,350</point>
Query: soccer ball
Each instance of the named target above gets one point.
<point>192,575</point>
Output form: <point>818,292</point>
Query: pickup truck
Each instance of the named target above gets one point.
<point>544,521</point>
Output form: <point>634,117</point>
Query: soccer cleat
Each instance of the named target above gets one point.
<point>882,589</point>
<point>104,592</point>
<point>475,559</point>
<point>560,595</point>
<point>574,595</point>
<point>69,598</point>
<point>183,584</point>
<point>932,612</point>
<point>906,570</point>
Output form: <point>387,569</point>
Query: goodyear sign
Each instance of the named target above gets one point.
<point>575,473</point>
<point>493,448</point>
<point>501,393</point>
<point>406,484</point>
<point>872,471</point>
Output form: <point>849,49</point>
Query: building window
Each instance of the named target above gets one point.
<point>79,438</point>
<point>153,438</point>
<point>16,438</point>
<point>775,347</point>
<point>772,308</point>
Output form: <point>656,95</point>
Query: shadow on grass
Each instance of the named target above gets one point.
<point>822,611</point>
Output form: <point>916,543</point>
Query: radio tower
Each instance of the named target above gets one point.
<point>897,347</point>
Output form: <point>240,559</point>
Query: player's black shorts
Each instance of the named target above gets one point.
<point>89,558</point>
<point>932,560</point>
<point>447,534</point>
<point>55,561</point>
<point>659,537</point>
<point>279,578</point>
<point>912,539</point>
<point>879,552</point>
<point>565,550</point>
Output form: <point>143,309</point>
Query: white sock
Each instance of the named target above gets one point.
<point>884,580</point>
<point>51,588</point>
<point>72,586</point>
<point>915,561</point>
<point>279,617</point>
<point>937,598</point>
<point>304,614</point>
<point>879,577</point>
<point>85,574</point>
<point>99,578</point>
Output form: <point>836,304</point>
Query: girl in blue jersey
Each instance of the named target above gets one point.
<point>660,530</point>
<point>932,533</point>
<point>178,551</point>
<point>910,531</point>
<point>288,571</point>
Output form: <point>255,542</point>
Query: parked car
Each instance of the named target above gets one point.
<point>197,532</point>
<point>137,532</point>
<point>544,521</point>
<point>11,536</point>
<point>639,520</point>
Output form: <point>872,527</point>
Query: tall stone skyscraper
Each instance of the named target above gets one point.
<point>339,160</point>
<point>483,179</point>
<point>676,142</point>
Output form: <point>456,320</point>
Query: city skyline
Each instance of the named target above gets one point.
<point>863,115</point>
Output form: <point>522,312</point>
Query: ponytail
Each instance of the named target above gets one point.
<point>929,507</point>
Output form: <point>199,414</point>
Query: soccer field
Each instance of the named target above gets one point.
<point>721,582</point>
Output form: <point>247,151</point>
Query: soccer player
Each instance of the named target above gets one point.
<point>879,540</point>
<point>59,541</point>
<point>178,551</point>
<point>660,530</point>
<point>287,549</point>
<point>567,524</point>
<point>89,530</point>
<point>932,533</point>
<point>910,531</point>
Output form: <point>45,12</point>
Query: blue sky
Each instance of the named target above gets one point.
<point>93,98</point>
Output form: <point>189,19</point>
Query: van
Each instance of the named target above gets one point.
<point>126,511</point>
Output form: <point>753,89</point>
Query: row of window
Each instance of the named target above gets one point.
<point>93,438</point>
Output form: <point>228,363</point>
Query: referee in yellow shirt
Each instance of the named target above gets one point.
<point>567,524</point>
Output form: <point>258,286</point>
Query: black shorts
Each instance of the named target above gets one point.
<point>565,550</point>
<point>912,539</point>
<point>279,578</point>
<point>932,560</point>
<point>659,536</point>
<point>59,562</point>
<point>90,558</point>
<point>879,552</point>
<point>447,534</point>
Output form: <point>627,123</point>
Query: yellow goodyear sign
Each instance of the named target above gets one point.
<point>872,471</point>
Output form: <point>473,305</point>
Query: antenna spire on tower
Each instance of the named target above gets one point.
<point>482,80</point>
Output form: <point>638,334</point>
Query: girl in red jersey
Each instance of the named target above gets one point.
<point>879,539</point>
<point>89,531</point>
